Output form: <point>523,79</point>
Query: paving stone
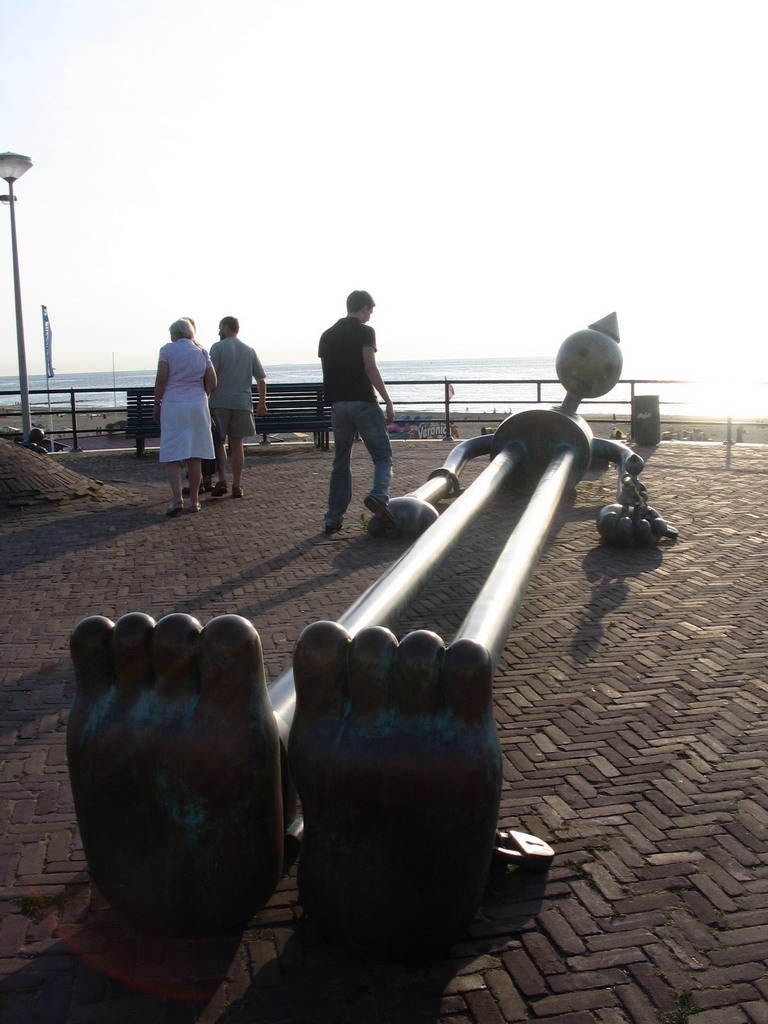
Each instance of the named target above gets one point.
<point>757,1011</point>
<point>590,999</point>
<point>524,972</point>
<point>723,1015</point>
<point>636,1003</point>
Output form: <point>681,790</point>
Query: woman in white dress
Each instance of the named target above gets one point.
<point>185,378</point>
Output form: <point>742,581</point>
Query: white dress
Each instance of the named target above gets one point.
<point>185,422</point>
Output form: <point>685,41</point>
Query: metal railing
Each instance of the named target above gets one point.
<point>457,401</point>
<point>43,416</point>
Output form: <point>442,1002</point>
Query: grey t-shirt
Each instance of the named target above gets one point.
<point>236,365</point>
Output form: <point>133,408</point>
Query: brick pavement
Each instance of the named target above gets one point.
<point>631,704</point>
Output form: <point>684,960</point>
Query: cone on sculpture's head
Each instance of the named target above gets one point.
<point>608,325</point>
<point>589,362</point>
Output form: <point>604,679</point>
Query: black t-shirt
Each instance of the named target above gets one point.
<point>341,353</point>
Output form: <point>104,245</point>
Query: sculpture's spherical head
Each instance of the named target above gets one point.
<point>36,435</point>
<point>589,363</point>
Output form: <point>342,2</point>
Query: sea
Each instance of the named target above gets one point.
<point>496,386</point>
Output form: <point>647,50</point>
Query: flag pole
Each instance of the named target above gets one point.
<point>48,371</point>
<point>47,382</point>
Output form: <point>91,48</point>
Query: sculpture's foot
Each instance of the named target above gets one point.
<point>395,756</point>
<point>412,516</point>
<point>174,763</point>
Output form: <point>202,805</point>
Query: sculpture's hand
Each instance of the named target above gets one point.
<point>395,756</point>
<point>633,525</point>
<point>173,759</point>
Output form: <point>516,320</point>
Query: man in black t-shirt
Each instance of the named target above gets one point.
<point>350,375</point>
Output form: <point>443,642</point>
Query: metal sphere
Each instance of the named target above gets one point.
<point>589,363</point>
<point>607,521</point>
<point>644,535</point>
<point>624,534</point>
<point>413,516</point>
<point>36,435</point>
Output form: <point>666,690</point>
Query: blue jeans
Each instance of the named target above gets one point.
<point>367,420</point>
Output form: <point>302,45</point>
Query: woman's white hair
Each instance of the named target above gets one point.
<point>182,328</point>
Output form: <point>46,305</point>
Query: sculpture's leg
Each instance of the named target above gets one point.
<point>384,601</point>
<point>174,764</point>
<point>395,756</point>
<point>396,759</point>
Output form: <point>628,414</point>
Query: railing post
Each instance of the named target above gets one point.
<point>447,386</point>
<point>728,444</point>
<point>73,411</point>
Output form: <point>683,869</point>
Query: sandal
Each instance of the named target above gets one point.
<point>237,492</point>
<point>174,508</point>
<point>219,490</point>
<point>195,508</point>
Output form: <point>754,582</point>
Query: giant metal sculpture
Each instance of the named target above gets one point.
<point>183,763</point>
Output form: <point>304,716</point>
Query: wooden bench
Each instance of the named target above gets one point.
<point>292,408</point>
<point>139,423</point>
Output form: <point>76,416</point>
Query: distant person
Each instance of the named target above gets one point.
<point>350,374</point>
<point>207,466</point>
<point>185,378</point>
<point>236,365</point>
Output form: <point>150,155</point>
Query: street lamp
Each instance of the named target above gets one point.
<point>12,166</point>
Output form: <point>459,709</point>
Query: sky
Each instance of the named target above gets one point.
<point>498,174</point>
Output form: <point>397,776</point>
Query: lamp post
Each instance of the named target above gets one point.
<point>12,166</point>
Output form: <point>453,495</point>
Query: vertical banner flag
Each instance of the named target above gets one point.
<point>47,343</point>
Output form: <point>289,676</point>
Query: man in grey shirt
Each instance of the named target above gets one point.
<point>231,403</point>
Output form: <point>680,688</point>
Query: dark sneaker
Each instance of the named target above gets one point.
<point>379,508</point>
<point>332,527</point>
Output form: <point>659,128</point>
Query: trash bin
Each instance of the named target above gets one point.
<point>646,421</point>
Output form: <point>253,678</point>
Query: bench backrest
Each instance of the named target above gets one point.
<point>139,407</point>
<point>283,401</point>
<point>291,407</point>
<point>291,400</point>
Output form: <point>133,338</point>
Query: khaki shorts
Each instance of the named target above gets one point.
<point>233,422</point>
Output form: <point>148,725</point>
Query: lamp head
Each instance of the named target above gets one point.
<point>13,165</point>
